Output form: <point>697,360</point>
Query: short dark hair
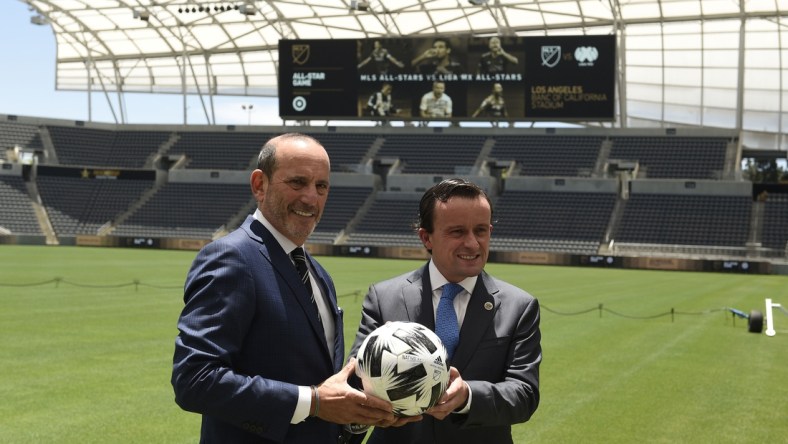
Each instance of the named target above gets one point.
<point>266,160</point>
<point>442,39</point>
<point>443,191</point>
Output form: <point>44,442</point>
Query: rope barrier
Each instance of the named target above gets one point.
<point>357,293</point>
<point>602,309</point>
<point>136,283</point>
<point>32,284</point>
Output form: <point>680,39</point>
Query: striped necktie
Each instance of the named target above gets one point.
<point>299,257</point>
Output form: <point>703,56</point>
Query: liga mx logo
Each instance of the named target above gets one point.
<point>551,55</point>
<point>300,54</point>
<point>586,55</point>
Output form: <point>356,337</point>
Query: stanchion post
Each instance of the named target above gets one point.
<point>769,318</point>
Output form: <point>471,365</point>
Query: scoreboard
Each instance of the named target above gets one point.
<point>562,78</point>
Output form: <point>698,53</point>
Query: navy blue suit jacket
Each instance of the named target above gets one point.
<point>249,335</point>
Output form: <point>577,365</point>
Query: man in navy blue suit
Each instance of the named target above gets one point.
<point>258,354</point>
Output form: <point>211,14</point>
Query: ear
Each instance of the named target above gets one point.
<point>425,238</point>
<point>259,184</point>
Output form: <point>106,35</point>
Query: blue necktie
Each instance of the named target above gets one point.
<point>446,326</point>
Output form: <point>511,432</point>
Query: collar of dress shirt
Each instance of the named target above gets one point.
<point>437,280</point>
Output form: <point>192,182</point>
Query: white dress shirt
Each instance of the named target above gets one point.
<point>326,314</point>
<point>460,306</point>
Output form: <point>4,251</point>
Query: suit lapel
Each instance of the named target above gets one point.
<point>478,316</point>
<point>280,262</point>
<point>323,280</point>
<point>418,298</point>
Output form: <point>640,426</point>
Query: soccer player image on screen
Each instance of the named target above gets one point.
<point>380,103</point>
<point>496,60</point>
<point>493,105</point>
<point>437,59</point>
<point>382,59</point>
<point>436,103</point>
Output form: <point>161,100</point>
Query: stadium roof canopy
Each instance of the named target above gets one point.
<point>713,63</point>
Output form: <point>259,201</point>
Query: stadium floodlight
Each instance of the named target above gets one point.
<point>247,9</point>
<point>142,15</point>
<point>359,5</point>
<point>39,20</point>
<point>248,108</point>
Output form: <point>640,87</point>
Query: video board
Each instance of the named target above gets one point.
<point>563,78</point>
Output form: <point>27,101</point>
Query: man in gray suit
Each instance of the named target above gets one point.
<point>494,380</point>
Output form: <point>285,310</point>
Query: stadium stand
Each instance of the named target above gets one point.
<point>532,213</point>
<point>188,210</point>
<point>82,206</point>
<point>389,221</point>
<point>82,146</point>
<point>552,221</point>
<point>346,150</point>
<point>218,150</point>
<point>775,222</point>
<point>17,215</point>
<point>14,135</point>
<point>343,204</point>
<point>106,148</point>
<point>538,155</point>
<point>673,157</point>
<point>433,153</point>
<point>134,148</point>
<point>686,220</point>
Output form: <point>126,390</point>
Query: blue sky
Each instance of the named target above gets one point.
<point>27,85</point>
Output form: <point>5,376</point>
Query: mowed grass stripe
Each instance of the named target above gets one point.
<point>88,365</point>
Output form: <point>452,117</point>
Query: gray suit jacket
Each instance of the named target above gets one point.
<point>498,356</point>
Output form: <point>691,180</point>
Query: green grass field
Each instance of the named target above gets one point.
<point>87,355</point>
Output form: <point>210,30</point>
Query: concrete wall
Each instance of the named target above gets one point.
<point>242,177</point>
<point>10,169</point>
<point>691,187</point>
<point>419,183</point>
<point>558,184</point>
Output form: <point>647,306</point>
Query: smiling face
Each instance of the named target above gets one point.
<point>460,239</point>
<point>292,200</point>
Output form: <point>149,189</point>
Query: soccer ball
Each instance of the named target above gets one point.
<point>405,364</point>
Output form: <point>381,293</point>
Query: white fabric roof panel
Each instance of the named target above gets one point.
<point>682,60</point>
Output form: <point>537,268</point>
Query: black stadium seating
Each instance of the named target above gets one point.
<point>577,221</point>
<point>775,222</point>
<point>82,206</point>
<point>17,214</point>
<point>549,155</point>
<point>673,157</point>
<point>686,220</point>
<point>434,153</point>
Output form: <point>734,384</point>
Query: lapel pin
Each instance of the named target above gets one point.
<point>488,306</point>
